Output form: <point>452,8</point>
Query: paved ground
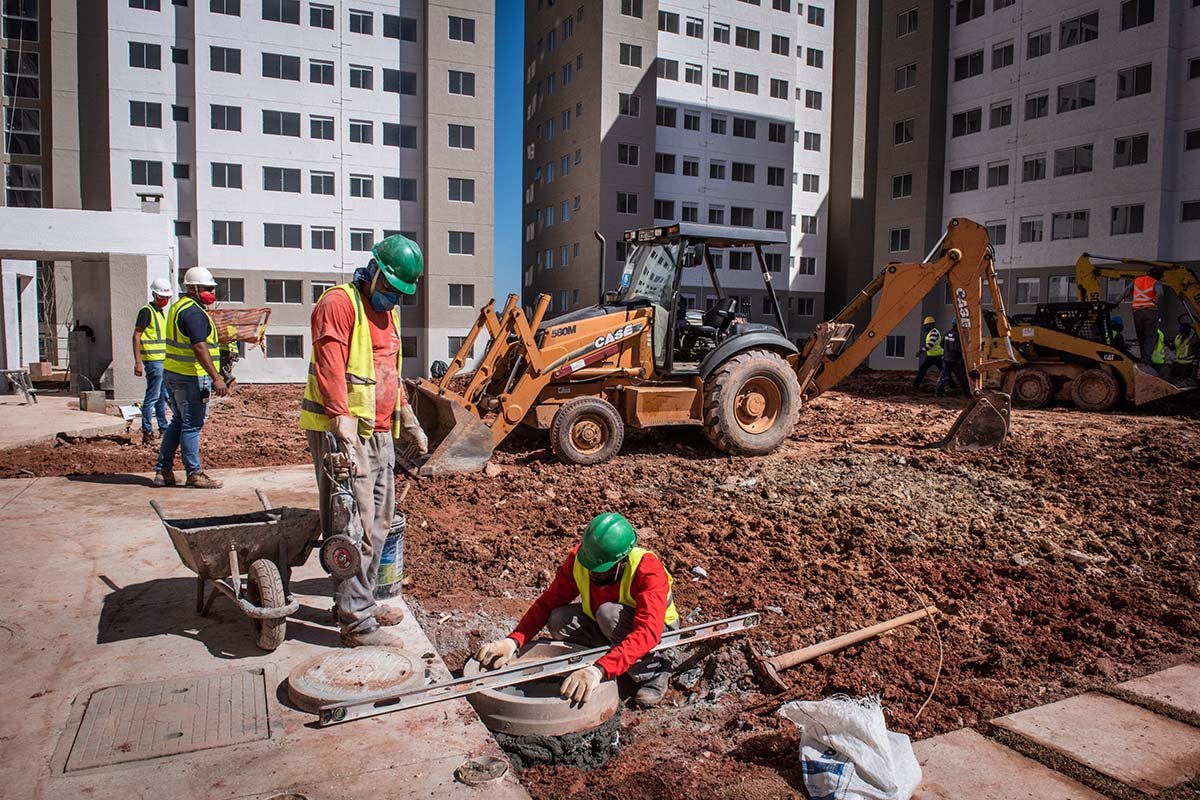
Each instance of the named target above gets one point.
<point>93,595</point>
<point>22,425</point>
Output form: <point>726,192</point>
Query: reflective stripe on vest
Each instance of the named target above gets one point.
<point>933,343</point>
<point>583,582</point>
<point>181,358</point>
<point>1159,355</point>
<point>1185,349</point>
<point>1145,292</point>
<point>360,375</point>
<point>153,343</point>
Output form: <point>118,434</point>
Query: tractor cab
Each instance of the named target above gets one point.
<point>684,339</point>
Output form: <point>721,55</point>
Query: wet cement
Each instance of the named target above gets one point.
<point>586,750</point>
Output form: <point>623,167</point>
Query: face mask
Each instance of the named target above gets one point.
<point>161,302</point>
<point>384,301</point>
<point>208,297</point>
<point>607,577</point>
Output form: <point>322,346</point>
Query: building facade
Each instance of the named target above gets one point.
<point>641,112</point>
<point>283,138</point>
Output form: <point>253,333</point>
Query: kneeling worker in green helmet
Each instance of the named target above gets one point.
<point>624,600</point>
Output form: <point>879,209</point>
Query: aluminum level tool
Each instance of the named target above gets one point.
<point>335,713</point>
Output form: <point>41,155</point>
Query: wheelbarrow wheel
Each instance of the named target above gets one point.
<point>265,589</point>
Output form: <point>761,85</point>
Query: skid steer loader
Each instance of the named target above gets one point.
<point>638,359</point>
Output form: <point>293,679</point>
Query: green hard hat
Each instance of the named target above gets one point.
<point>608,539</point>
<point>400,261</point>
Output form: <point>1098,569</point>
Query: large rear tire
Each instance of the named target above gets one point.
<point>1095,390</point>
<point>1032,388</point>
<point>751,403</point>
<point>264,588</point>
<point>586,431</point>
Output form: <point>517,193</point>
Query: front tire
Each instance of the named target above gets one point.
<point>264,587</point>
<point>586,431</point>
<point>751,403</point>
<point>1095,390</point>
<point>1032,388</point>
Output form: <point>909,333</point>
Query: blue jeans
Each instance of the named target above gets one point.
<point>154,404</point>
<point>187,418</point>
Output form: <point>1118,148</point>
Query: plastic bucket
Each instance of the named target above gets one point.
<point>391,561</point>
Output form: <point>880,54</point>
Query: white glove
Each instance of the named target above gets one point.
<point>579,684</point>
<point>410,431</point>
<point>349,460</point>
<point>495,655</point>
<point>344,429</point>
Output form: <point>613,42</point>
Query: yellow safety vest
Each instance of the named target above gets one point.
<point>153,341</point>
<point>181,358</point>
<point>360,375</point>
<point>1159,354</point>
<point>583,581</point>
<point>1185,352</point>
<point>933,343</point>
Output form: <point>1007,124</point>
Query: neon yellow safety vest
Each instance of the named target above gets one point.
<point>153,341</point>
<point>181,358</point>
<point>360,375</point>
<point>933,343</point>
<point>1185,352</point>
<point>1159,355</point>
<point>625,597</point>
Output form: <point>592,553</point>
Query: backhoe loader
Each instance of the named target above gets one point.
<point>637,359</point>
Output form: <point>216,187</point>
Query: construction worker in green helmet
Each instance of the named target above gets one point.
<point>608,591</point>
<point>354,393</point>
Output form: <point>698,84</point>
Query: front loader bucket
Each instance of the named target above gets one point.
<point>982,424</point>
<point>459,441</point>
<point>1148,387</point>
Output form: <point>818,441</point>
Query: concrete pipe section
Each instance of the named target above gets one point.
<point>350,674</point>
<point>535,708</point>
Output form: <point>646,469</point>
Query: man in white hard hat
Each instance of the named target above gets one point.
<point>149,353</point>
<point>193,372</point>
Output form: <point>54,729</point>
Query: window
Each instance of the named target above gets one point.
<point>1062,289</point>
<point>809,182</point>
<point>807,265</point>
<point>967,10</point>
<point>630,55</point>
<point>1031,230</point>
<point>141,115</point>
<point>281,123</point>
<point>1189,211</point>
<point>283,67</point>
<point>399,81</point>
<point>997,174</point>
<point>226,59</point>
<point>321,239</point>
<point>1069,225</point>
<point>1079,30</point>
<point>965,123</point>
<point>691,168</point>
<point>775,220</point>
<point>812,99</point>
<point>362,131</point>
<point>285,346</point>
<point>226,176</point>
<point>462,29</point>
<point>631,8</point>
<point>183,228</point>
<point>668,22</point>
<point>227,232</point>
<point>231,290</point>
<point>721,32</point>
<point>179,55</point>
<point>277,234</point>
<point>780,45</point>
<point>720,78</point>
<point>746,37</point>
<point>902,186</point>
<point>627,154</point>
<point>455,343</point>
<point>1033,168</point>
<point>968,66</point>
<point>664,163</point>
<point>21,21</point>
<point>1128,219</point>
<point>691,121</point>
<point>1029,291</point>
<point>776,176</point>
<point>906,77</point>
<point>716,170</point>
<point>144,56</point>
<point>402,28</point>
<point>1130,150</point>
<point>320,128</point>
<point>816,16</point>
<point>900,240</point>
<point>459,137</point>
<point>462,83</point>
<point>629,105</point>
<point>964,180</point>
<point>462,243</point>
<point>694,28</point>
<point>180,113</point>
<point>808,223</point>
<point>745,82</point>
<point>462,295</point>
<point>1001,114</point>
<point>461,190</point>
<point>745,128</point>
<point>145,173</point>
<point>741,260</point>
<point>906,22</point>
<point>997,233</point>
<point>692,73</point>
<point>893,346</point>
<point>999,4</point>
<point>281,11</point>
<point>626,203</point>
<point>281,179</point>
<point>1133,81</point>
<point>1191,139</point>
<point>667,69</point>
<point>816,58</point>
<point>1073,160</point>
<point>321,183</point>
<point>812,141</point>
<point>741,172</point>
<point>777,132</point>
<point>283,291</point>
<point>718,125</point>
<point>665,116</point>
<point>361,240</point>
<point>362,77</point>
<point>1193,69</point>
<point>1136,12</point>
<point>320,72</point>
<point>1002,55</point>
<point>664,209</point>
<point>362,22</point>
<point>1038,43</point>
<point>690,213</point>
<point>362,186</point>
<point>320,16</point>
<point>902,131</point>
<point>21,74</point>
<point>1037,105</point>
<point>1077,94</point>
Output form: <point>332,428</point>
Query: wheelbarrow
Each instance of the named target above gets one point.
<point>262,545</point>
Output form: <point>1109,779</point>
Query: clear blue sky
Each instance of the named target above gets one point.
<point>510,48</point>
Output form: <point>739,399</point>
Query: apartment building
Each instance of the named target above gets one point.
<point>640,112</point>
<point>1069,127</point>
<point>283,138</point>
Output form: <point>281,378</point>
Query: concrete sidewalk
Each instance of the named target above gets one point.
<point>95,596</point>
<point>23,425</point>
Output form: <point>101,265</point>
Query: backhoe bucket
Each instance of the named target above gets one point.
<point>982,424</point>
<point>459,441</point>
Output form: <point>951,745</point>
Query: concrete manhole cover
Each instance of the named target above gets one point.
<point>342,675</point>
<point>138,721</point>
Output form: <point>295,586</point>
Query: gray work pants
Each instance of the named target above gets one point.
<point>1145,326</point>
<point>375,493</point>
<point>613,623</point>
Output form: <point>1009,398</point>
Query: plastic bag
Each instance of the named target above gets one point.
<point>847,752</point>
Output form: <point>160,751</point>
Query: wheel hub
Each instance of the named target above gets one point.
<point>588,435</point>
<point>758,404</point>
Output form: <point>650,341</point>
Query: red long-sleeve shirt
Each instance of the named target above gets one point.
<point>650,590</point>
<point>332,324</point>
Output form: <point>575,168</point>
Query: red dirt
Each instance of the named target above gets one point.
<point>993,538</point>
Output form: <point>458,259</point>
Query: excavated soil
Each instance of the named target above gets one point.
<point>1064,561</point>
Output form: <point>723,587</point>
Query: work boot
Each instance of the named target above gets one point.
<point>388,615</point>
<point>376,638</point>
<point>165,478</point>
<point>198,480</point>
<point>148,437</point>
<point>651,693</point>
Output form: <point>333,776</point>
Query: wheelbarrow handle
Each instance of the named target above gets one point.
<point>262,498</point>
<point>158,510</point>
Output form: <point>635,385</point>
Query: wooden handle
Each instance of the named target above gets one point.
<point>785,660</point>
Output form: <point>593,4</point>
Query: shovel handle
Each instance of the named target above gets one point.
<point>786,660</point>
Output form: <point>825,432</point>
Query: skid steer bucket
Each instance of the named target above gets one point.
<point>459,441</point>
<point>982,424</point>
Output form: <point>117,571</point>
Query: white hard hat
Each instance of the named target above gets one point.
<point>198,276</point>
<point>161,287</point>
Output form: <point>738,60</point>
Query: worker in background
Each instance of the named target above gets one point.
<point>954,371</point>
<point>192,374</point>
<point>625,601</point>
<point>1116,333</point>
<point>354,393</point>
<point>1158,356</point>
<point>931,350</point>
<point>1187,344</point>
<point>149,353</point>
<point>1147,292</point>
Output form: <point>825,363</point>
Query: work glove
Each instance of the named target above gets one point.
<point>579,684</point>
<point>411,435</point>
<point>495,655</point>
<point>348,460</point>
